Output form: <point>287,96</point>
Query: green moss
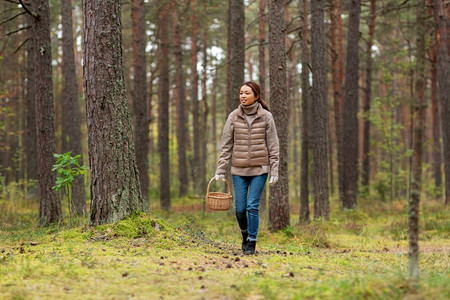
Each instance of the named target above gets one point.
<point>194,256</point>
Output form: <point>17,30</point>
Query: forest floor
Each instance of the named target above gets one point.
<point>190,254</point>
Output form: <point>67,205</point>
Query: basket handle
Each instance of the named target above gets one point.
<point>226,180</point>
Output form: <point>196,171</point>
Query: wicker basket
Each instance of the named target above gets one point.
<point>216,200</point>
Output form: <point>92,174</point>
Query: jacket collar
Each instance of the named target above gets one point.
<point>259,111</point>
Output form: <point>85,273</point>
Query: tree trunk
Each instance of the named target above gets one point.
<point>437,146</point>
<point>262,48</point>
<point>443,71</point>
<point>140,96</point>
<point>337,72</point>
<point>228,63</point>
<point>57,89</point>
<point>30,138</point>
<point>13,120</point>
<point>71,131</point>
<point>237,50</point>
<point>350,110</point>
<point>279,192</point>
<point>78,19</point>
<point>115,190</point>
<point>368,97</point>
<point>306,94</point>
<point>195,162</point>
<point>213,115</point>
<point>436,152</point>
<point>49,204</point>
<point>447,16</point>
<point>319,112</point>
<point>262,71</point>
<point>416,167</point>
<point>9,112</point>
<point>151,85</point>
<point>21,108</point>
<point>330,159</point>
<point>163,108</point>
<point>205,112</point>
<point>180,100</point>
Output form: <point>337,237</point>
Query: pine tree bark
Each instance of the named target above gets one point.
<point>436,152</point>
<point>337,72</point>
<point>115,190</point>
<point>13,123</point>
<point>71,122</point>
<point>306,95</point>
<point>350,109</point>
<point>319,112</point>
<point>151,86</point>
<point>416,166</point>
<point>237,50</point>
<point>49,203</point>
<point>214,115</point>
<point>262,48</point>
<point>30,141</point>
<point>205,113</point>
<point>443,72</point>
<point>195,162</point>
<point>9,140</point>
<point>21,108</point>
<point>140,95</point>
<point>163,108</point>
<point>180,102</point>
<point>279,192</point>
<point>57,87</point>
<point>368,97</point>
<point>262,71</point>
<point>228,63</point>
<point>447,16</point>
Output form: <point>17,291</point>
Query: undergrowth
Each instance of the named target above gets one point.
<point>357,254</point>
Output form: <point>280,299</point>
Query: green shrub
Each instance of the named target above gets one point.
<point>398,230</point>
<point>352,220</point>
<point>314,235</point>
<point>438,224</point>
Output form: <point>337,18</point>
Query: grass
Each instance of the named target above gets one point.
<point>194,255</point>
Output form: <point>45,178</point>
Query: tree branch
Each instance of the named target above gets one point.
<point>253,22</point>
<point>16,31</point>
<point>12,1</point>
<point>12,18</point>
<point>20,46</point>
<point>33,14</point>
<point>219,66</point>
<point>292,45</point>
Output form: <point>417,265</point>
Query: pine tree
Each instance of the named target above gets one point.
<point>114,187</point>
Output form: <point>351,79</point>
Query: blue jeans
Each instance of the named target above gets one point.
<point>248,190</point>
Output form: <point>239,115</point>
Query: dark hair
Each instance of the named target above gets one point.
<point>257,91</point>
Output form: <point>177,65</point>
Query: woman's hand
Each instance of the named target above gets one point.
<point>219,177</point>
<point>273,179</point>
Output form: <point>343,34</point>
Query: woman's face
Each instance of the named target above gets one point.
<point>246,95</point>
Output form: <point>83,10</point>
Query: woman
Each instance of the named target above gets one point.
<point>250,139</point>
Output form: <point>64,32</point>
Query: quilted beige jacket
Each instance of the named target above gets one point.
<point>253,148</point>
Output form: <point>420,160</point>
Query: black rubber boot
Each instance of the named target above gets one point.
<point>251,246</point>
<point>244,240</point>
